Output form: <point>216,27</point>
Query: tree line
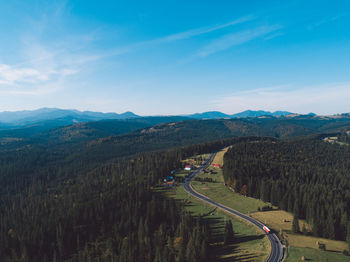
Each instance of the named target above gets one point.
<point>307,177</point>
<point>108,213</point>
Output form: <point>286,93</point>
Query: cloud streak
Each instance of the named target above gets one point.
<point>229,40</point>
<point>179,36</point>
<point>203,30</point>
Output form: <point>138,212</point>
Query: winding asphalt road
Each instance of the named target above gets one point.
<point>276,254</point>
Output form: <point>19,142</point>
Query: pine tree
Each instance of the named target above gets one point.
<point>295,225</point>
<point>348,236</point>
<point>203,251</point>
<point>158,256</point>
<point>181,255</point>
<point>191,254</point>
<point>304,229</point>
<point>228,235</point>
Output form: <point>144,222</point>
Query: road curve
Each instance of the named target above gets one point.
<point>276,254</point>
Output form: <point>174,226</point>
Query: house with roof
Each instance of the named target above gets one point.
<point>188,167</point>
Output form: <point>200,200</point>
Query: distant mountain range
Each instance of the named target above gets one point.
<point>47,118</point>
<point>247,113</point>
<point>61,116</point>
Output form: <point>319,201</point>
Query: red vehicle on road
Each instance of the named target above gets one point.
<point>267,230</point>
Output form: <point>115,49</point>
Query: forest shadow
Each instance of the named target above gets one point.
<point>246,258</point>
<point>217,228</point>
<point>230,253</point>
<point>241,239</point>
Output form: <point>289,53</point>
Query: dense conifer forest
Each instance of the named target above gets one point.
<point>72,194</point>
<point>308,177</point>
<point>108,213</point>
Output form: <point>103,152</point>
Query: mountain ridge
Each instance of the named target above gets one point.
<point>56,117</point>
<point>26,117</point>
<point>243,114</point>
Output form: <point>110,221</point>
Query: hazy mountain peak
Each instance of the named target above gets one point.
<point>209,115</point>
<point>43,114</point>
<point>258,113</point>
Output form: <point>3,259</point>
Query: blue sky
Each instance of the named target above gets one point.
<point>175,57</point>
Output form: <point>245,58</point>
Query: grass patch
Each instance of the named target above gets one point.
<point>311,242</point>
<point>219,157</point>
<point>275,219</point>
<point>196,160</point>
<point>250,245</point>
<point>182,173</point>
<point>296,253</point>
<point>279,220</point>
<point>219,192</point>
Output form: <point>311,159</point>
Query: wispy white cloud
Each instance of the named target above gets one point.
<point>43,63</point>
<point>179,36</point>
<point>230,40</point>
<point>10,75</point>
<point>327,20</point>
<point>273,35</point>
<point>203,30</point>
<point>322,99</point>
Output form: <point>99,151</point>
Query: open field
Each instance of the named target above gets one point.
<point>219,157</point>
<point>196,160</point>
<point>278,219</point>
<point>275,219</point>
<point>251,244</point>
<point>182,173</point>
<point>219,192</point>
<point>300,245</point>
<point>310,242</point>
<point>315,255</point>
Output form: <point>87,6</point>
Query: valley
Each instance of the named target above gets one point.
<point>79,173</point>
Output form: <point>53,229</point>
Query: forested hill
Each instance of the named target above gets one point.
<point>281,127</point>
<point>83,192</point>
<point>309,177</point>
<point>108,213</point>
<point>90,143</point>
<point>44,132</point>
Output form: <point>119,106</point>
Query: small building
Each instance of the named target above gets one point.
<point>169,178</point>
<point>217,165</point>
<point>188,167</point>
<point>169,181</point>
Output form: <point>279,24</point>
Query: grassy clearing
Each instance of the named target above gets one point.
<point>219,157</point>
<point>196,160</point>
<point>279,219</point>
<point>182,173</point>
<point>296,253</point>
<point>300,245</point>
<point>311,242</point>
<point>276,219</point>
<point>251,245</point>
<point>219,192</point>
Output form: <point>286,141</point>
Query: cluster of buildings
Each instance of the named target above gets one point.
<point>170,181</point>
